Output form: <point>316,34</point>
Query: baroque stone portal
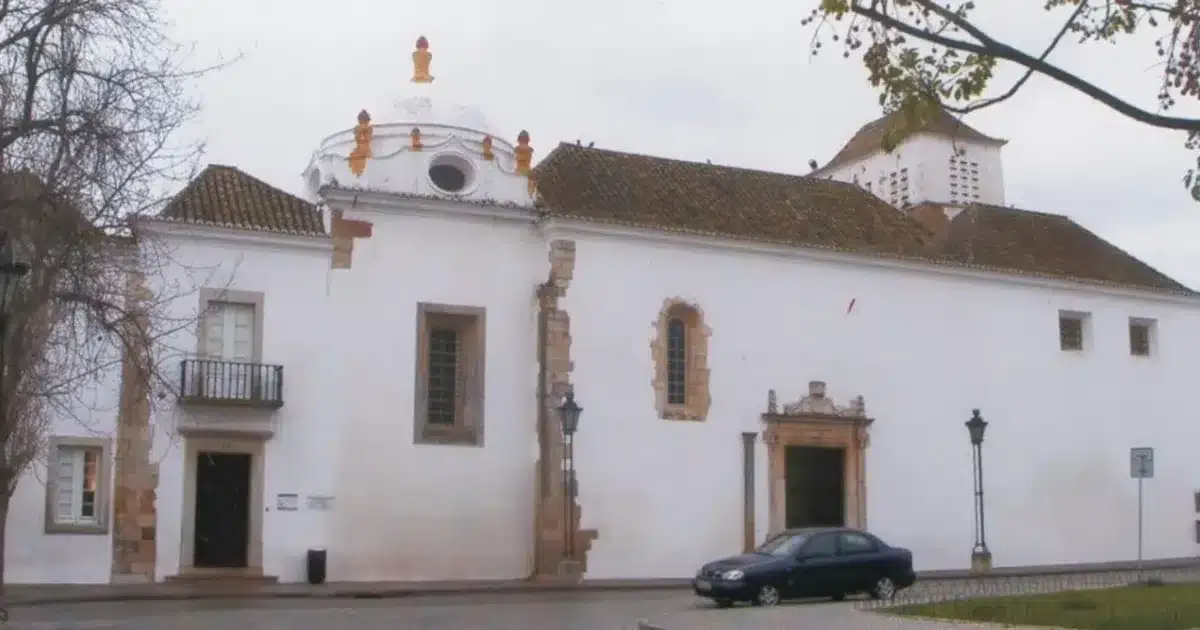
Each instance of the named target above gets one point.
<point>815,420</point>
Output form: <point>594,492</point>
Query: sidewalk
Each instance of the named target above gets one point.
<point>1182,569</point>
<point>39,595</point>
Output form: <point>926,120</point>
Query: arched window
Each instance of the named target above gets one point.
<point>676,362</point>
<point>680,353</point>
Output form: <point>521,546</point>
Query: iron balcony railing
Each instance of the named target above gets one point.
<point>235,383</point>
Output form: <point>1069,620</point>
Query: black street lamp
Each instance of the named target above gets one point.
<point>981,558</point>
<point>568,415</point>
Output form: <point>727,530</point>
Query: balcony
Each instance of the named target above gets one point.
<point>204,382</point>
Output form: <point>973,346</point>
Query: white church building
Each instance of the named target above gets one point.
<point>375,368</point>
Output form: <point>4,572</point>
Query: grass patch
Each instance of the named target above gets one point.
<point>1169,607</point>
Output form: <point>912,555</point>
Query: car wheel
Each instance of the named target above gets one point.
<point>885,588</point>
<point>840,597</point>
<point>724,603</point>
<point>767,596</point>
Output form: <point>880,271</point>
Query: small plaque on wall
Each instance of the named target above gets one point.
<point>287,502</point>
<point>320,503</point>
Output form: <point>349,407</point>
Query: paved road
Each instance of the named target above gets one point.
<point>670,610</point>
<point>592,611</point>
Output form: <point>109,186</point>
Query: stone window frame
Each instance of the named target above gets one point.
<point>1073,330</point>
<point>104,481</point>
<point>471,323</point>
<point>1142,336</point>
<point>697,396</point>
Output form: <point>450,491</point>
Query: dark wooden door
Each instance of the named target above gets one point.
<point>222,527</point>
<point>816,488</point>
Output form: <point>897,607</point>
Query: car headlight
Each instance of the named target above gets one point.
<point>733,575</point>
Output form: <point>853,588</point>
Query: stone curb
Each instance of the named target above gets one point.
<point>965,623</point>
<point>348,592</point>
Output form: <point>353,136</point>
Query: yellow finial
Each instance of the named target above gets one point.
<point>523,153</point>
<point>487,148</point>
<point>415,139</point>
<point>362,144</point>
<point>421,59</point>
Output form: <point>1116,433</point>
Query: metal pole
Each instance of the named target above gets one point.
<point>1139,529</point>
<point>566,470</point>
<point>571,497</point>
<point>975,498</point>
<point>982,516</point>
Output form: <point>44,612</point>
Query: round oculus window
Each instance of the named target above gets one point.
<point>450,173</point>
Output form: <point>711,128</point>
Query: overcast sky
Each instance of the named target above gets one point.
<point>692,79</point>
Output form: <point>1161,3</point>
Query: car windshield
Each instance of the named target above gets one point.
<point>785,545</point>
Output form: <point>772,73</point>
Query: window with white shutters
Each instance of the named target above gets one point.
<point>229,332</point>
<point>76,475</point>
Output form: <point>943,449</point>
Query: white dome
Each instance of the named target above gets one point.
<point>427,103</point>
<point>425,110</point>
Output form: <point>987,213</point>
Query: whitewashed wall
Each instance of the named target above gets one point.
<point>927,160</point>
<point>31,555</point>
<point>424,512</point>
<point>293,273</point>
<point>924,349</point>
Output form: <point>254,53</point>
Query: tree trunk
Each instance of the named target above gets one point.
<point>5,497</point>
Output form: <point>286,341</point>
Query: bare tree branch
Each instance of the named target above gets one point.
<point>92,95</point>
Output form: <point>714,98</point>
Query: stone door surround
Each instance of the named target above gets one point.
<point>815,420</point>
<point>194,444</point>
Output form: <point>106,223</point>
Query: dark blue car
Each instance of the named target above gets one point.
<point>811,562</point>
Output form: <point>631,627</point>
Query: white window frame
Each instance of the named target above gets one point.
<point>75,522</point>
<point>225,309</point>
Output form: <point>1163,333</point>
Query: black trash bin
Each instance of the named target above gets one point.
<point>316,565</point>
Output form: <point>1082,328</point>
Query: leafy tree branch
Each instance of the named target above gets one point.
<point>923,55</point>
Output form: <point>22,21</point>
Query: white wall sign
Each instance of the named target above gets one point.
<point>287,502</point>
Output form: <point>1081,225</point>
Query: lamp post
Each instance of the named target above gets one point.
<point>568,415</point>
<point>981,558</point>
<point>11,274</point>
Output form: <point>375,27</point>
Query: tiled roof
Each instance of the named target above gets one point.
<point>624,188</point>
<point>689,197</point>
<point>874,135</point>
<point>228,197</point>
<point>1049,244</point>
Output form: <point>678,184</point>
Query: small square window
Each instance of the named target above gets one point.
<point>1070,331</point>
<point>1141,335</point>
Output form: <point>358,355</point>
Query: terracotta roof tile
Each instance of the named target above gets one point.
<point>226,196</point>
<point>1048,244</point>
<point>874,135</point>
<point>610,186</point>
<point>665,194</point>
